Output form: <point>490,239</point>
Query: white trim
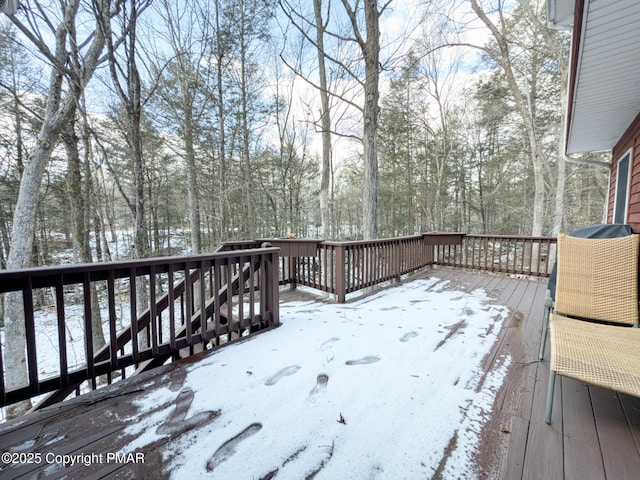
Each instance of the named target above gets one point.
<point>628,153</point>
<point>574,79</point>
<point>608,199</point>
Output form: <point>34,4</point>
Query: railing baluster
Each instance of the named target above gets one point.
<point>325,267</point>
<point>30,331</point>
<point>152,311</point>
<point>133,304</point>
<point>88,328</point>
<point>262,280</point>
<point>495,254</point>
<point>271,274</point>
<point>113,344</point>
<point>252,287</point>
<point>203,303</point>
<point>241,284</point>
<point>188,291</point>
<point>229,281</point>
<point>216,306</point>
<point>172,308</point>
<point>62,332</point>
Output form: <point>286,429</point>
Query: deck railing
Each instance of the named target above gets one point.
<point>195,303</point>
<point>341,268</point>
<point>517,255</point>
<point>204,301</point>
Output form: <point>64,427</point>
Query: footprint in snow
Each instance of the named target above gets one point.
<point>364,360</point>
<point>285,372</point>
<point>408,336</point>
<point>328,344</point>
<point>177,378</point>
<point>228,448</point>
<point>177,423</point>
<point>321,384</point>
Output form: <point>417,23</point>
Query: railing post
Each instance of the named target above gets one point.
<point>293,272</point>
<point>399,245</point>
<point>272,287</point>
<point>340,274</point>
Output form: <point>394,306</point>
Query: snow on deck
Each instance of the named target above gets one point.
<point>390,386</point>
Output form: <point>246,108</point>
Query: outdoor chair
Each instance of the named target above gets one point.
<point>596,303</point>
<point>603,230</point>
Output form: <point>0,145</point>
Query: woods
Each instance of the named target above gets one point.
<point>212,121</point>
<point>231,120</point>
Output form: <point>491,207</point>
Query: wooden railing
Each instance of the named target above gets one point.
<point>341,268</point>
<point>201,302</point>
<point>518,255</point>
<point>195,303</point>
<point>346,267</point>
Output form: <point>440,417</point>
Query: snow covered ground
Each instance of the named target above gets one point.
<point>390,386</point>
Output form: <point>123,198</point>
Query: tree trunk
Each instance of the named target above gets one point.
<point>192,177</point>
<point>222,184</point>
<point>188,79</point>
<point>527,117</point>
<point>80,226</point>
<point>58,111</point>
<point>130,97</point>
<point>325,123</point>
<point>246,158</point>
<point>558,214</point>
<point>371,53</point>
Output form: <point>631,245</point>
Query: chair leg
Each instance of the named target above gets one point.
<point>552,384</point>
<point>548,304</point>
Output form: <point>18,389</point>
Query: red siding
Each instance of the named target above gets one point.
<point>630,139</point>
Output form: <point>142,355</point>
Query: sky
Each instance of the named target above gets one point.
<point>403,24</point>
<point>374,389</point>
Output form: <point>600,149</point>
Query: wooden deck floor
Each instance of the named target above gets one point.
<point>595,433</point>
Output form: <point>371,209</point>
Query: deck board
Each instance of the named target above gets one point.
<point>619,452</point>
<point>582,457</point>
<point>544,454</point>
<point>595,433</point>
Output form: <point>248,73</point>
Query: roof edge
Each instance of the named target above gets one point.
<point>576,44</point>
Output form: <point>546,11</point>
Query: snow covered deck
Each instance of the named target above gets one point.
<point>434,378</point>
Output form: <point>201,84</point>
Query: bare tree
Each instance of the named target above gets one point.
<point>69,76</point>
<point>366,39</point>
<point>370,47</point>
<point>188,72</point>
<point>557,48</point>
<point>128,85</point>
<point>503,57</point>
<point>325,122</point>
<point>80,217</point>
<point>222,39</point>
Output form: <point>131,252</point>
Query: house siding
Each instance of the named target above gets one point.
<point>630,140</point>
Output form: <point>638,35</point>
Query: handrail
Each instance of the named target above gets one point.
<point>341,268</point>
<point>510,254</point>
<point>173,322</point>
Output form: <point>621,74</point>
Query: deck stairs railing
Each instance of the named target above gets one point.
<point>195,303</point>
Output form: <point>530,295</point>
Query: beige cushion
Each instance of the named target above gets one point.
<point>598,278</point>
